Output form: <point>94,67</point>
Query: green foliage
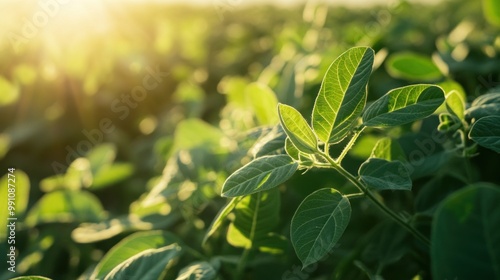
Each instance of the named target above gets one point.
<point>173,156</point>
<point>298,131</point>
<point>381,174</point>
<point>261,174</point>
<point>342,95</point>
<point>413,67</point>
<point>148,264</point>
<point>318,224</point>
<point>486,132</point>
<point>467,220</point>
<point>403,105</point>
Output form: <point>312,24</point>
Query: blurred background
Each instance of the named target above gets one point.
<point>121,75</point>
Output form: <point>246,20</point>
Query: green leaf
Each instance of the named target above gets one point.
<point>403,105</point>
<point>388,149</point>
<point>192,133</point>
<point>131,246</point>
<point>270,143</point>
<point>221,216</point>
<point>259,175</point>
<point>297,129</point>
<point>486,132</point>
<point>291,150</point>
<point>380,174</point>
<point>342,95</point>
<point>465,240</point>
<point>101,156</point>
<point>455,104</point>
<point>65,206</point>
<point>112,174</point>
<point>14,192</point>
<point>263,101</point>
<point>485,105</point>
<point>10,92</point>
<point>255,217</point>
<point>197,271</point>
<point>491,9</point>
<point>149,264</point>
<point>318,224</point>
<point>413,67</point>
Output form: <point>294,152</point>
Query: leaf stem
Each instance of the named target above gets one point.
<point>350,144</point>
<point>377,202</point>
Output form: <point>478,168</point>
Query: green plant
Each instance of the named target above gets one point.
<point>339,112</point>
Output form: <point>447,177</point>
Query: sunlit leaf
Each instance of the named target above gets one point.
<point>66,206</point>
<point>269,144</point>
<point>297,129</point>
<point>291,150</point>
<point>197,271</point>
<point>101,156</point>
<point>466,235</point>
<point>484,106</point>
<point>256,216</point>
<point>342,95</point>
<point>131,246</point>
<point>260,174</point>
<point>388,149</point>
<point>93,232</point>
<point>263,101</point>
<point>148,264</point>
<point>455,104</point>
<point>486,132</point>
<point>221,216</point>
<point>112,174</point>
<point>14,192</point>
<point>381,174</point>
<point>191,133</point>
<point>413,67</point>
<point>403,105</point>
<point>318,224</point>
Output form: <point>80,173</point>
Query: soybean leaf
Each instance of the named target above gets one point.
<point>381,174</point>
<point>491,9</point>
<point>291,150</point>
<point>263,101</point>
<point>465,239</point>
<point>148,264</point>
<point>221,216</point>
<point>256,216</point>
<point>413,67</point>
<point>485,105</point>
<point>66,206</point>
<point>342,95</point>
<point>455,104</point>
<point>270,143</point>
<point>13,193</point>
<point>388,149</point>
<point>112,174</point>
<point>318,224</point>
<point>403,105</point>
<point>131,246</point>
<point>486,132</point>
<point>258,175</point>
<point>297,129</point>
<point>197,271</point>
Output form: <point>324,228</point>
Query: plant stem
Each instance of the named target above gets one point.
<point>350,144</point>
<point>242,263</point>
<point>377,202</point>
